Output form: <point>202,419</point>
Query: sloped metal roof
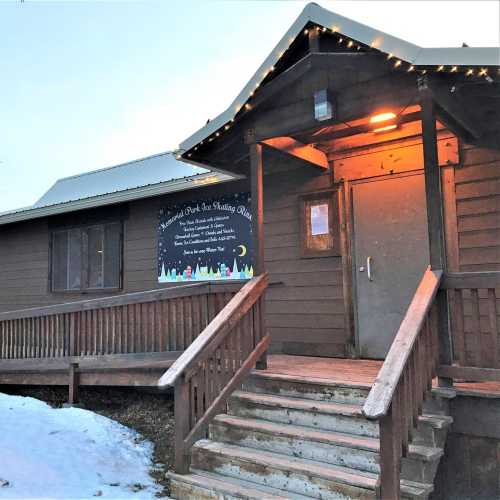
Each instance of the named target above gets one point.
<point>138,173</point>
<point>397,48</point>
<point>146,177</point>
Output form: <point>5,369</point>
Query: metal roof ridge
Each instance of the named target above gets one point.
<point>104,169</point>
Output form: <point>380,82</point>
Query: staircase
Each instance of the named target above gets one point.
<point>288,437</point>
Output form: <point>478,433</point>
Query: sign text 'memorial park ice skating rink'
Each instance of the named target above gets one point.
<point>206,240</point>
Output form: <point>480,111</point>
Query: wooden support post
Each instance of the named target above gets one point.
<point>262,362</point>
<point>257,186</point>
<point>182,427</point>
<point>73,384</point>
<point>444,336</point>
<point>390,460</point>
<point>435,220</point>
<point>432,181</point>
<point>257,181</point>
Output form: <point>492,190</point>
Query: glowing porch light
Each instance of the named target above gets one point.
<point>382,117</point>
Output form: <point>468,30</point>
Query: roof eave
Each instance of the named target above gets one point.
<point>397,48</point>
<point>150,191</point>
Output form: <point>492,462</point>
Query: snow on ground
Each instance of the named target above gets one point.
<point>69,453</point>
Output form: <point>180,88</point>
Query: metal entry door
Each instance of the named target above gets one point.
<point>391,253</point>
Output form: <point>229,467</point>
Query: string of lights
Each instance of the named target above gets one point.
<point>354,45</point>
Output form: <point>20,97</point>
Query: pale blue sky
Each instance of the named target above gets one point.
<point>84,85</point>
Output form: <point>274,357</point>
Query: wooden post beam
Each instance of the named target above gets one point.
<point>432,180</point>
<point>257,191</point>
<point>435,220</point>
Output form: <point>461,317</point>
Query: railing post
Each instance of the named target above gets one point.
<point>182,427</point>
<point>72,337</point>
<point>73,384</point>
<point>444,339</point>
<point>261,310</point>
<point>390,458</point>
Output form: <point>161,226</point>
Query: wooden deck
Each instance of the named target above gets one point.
<point>145,370</point>
<point>356,371</point>
<point>352,371</point>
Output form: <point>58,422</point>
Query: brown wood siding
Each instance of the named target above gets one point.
<point>477,191</point>
<point>24,252</point>
<point>305,305</point>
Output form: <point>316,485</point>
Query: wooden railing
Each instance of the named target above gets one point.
<point>474,326</point>
<point>152,321</point>
<point>397,395</point>
<point>213,366</point>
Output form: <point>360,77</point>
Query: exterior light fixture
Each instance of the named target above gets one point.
<point>382,117</point>
<point>383,122</point>
<point>323,105</point>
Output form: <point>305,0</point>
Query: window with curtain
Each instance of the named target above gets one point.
<point>87,257</point>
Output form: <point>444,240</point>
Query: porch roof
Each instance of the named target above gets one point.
<point>396,48</point>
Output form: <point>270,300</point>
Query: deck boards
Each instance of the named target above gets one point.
<point>355,371</point>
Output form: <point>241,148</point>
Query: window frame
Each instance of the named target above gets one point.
<point>84,256</point>
<point>305,201</point>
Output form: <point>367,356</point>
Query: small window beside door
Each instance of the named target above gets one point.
<point>319,225</point>
<point>87,258</point>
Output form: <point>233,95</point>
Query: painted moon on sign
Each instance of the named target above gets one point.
<point>243,249</point>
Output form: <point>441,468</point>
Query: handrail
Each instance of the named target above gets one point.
<point>234,310</point>
<point>121,300</point>
<point>215,364</point>
<point>381,394</point>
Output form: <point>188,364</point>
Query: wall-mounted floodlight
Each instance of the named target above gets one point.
<point>323,105</point>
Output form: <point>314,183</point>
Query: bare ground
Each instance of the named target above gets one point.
<point>151,414</point>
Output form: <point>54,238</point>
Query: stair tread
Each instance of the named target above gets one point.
<point>423,452</point>
<point>353,441</point>
<point>437,421</point>
<point>301,432</point>
<point>307,380</point>
<point>444,392</point>
<point>300,404</point>
<point>336,473</point>
<point>232,486</point>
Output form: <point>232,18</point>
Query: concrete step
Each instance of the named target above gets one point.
<point>201,485</point>
<point>338,417</point>
<point>432,430</point>
<point>305,387</point>
<point>295,475</point>
<point>347,450</point>
<point>421,463</point>
<point>438,400</point>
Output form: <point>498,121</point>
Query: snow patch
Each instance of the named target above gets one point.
<point>69,453</point>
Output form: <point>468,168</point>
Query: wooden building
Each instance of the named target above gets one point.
<point>372,294</point>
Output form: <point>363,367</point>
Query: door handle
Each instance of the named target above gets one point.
<point>369,268</point>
